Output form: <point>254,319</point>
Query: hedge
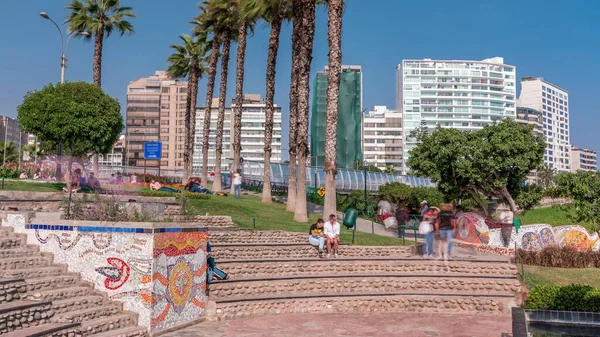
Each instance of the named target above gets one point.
<point>574,297</point>
<point>561,257</point>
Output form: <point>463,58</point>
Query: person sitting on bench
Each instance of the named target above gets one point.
<point>316,237</point>
<point>332,236</point>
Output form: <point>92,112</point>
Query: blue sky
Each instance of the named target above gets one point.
<point>553,39</point>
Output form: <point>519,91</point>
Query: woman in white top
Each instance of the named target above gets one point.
<point>237,184</point>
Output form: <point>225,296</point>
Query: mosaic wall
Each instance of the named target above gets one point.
<point>158,273</point>
<point>472,228</point>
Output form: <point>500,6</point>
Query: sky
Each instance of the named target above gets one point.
<point>553,39</point>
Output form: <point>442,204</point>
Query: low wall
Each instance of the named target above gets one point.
<point>473,231</point>
<point>156,270</point>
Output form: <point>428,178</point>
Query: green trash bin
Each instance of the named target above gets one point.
<point>350,218</point>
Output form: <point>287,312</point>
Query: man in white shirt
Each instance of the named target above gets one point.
<point>332,235</point>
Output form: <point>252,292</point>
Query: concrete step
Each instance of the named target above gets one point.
<point>11,289</point>
<point>19,252</point>
<point>50,329</point>
<point>75,304</point>
<point>433,303</point>
<point>105,324</point>
<point>350,285</point>
<point>13,241</point>
<point>95,312</point>
<point>23,314</point>
<point>66,280</point>
<point>260,237</point>
<point>318,267</point>
<point>131,331</point>
<point>27,262</point>
<point>278,252</point>
<point>61,294</point>
<point>50,270</point>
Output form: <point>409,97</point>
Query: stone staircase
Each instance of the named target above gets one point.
<point>272,272</point>
<point>41,298</point>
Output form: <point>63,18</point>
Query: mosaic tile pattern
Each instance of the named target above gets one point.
<point>159,273</point>
<point>473,229</point>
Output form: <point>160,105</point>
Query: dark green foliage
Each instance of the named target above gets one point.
<point>78,114</point>
<point>561,257</point>
<point>395,192</point>
<point>583,188</point>
<point>574,297</point>
<point>431,194</point>
<point>529,197</point>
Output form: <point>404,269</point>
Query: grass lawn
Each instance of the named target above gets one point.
<point>554,216</point>
<point>50,186</point>
<point>275,217</point>
<point>535,275</point>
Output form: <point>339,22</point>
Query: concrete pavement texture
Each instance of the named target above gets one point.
<point>356,325</point>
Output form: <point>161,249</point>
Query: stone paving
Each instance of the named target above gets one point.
<point>356,324</point>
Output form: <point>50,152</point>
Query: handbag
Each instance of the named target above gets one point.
<point>425,227</point>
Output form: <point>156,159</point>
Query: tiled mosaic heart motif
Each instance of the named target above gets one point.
<point>116,275</point>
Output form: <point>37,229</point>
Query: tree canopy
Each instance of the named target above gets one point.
<point>492,162</point>
<point>583,188</point>
<point>77,114</point>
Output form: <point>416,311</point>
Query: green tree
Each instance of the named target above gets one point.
<point>99,18</point>
<point>189,61</point>
<point>9,154</point>
<point>584,190</point>
<point>431,194</point>
<point>359,166</point>
<point>492,162</point>
<point>77,114</point>
<point>390,170</point>
<point>396,192</point>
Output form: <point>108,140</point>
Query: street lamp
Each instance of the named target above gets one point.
<point>64,48</point>
<point>365,177</point>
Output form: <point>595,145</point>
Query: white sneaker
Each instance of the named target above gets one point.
<point>335,255</point>
<point>328,256</point>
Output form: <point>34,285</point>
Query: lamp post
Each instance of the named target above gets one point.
<point>365,175</point>
<point>64,48</point>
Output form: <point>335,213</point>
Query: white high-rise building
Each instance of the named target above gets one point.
<point>382,129</point>
<point>583,159</point>
<point>553,102</point>
<point>458,94</point>
<point>253,133</point>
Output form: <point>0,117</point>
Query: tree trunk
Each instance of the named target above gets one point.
<point>334,24</point>
<point>239,98</point>
<point>480,202</point>
<point>307,10</point>
<point>212,73</point>
<point>511,203</point>
<point>296,49</point>
<point>98,43</point>
<point>269,109</point>
<point>190,127</point>
<point>221,118</point>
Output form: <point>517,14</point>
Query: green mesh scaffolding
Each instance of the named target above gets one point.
<point>349,121</point>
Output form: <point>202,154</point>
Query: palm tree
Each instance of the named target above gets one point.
<point>99,18</point>
<point>201,27</point>
<point>334,23</point>
<point>296,49</point>
<point>273,12</point>
<point>247,21</point>
<point>189,60</point>
<point>223,19</point>
<point>9,153</point>
<point>305,9</point>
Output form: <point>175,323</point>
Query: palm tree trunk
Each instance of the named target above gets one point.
<point>221,118</point>
<point>190,117</point>
<point>98,42</point>
<point>307,10</point>
<point>335,13</point>
<point>270,96</point>
<point>212,74</point>
<point>239,98</point>
<point>296,49</point>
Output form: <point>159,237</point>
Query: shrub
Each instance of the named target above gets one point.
<point>431,194</point>
<point>574,297</point>
<point>561,257</point>
<point>395,191</point>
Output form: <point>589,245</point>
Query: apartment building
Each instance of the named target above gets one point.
<point>349,126</point>
<point>114,159</point>
<point>583,159</point>
<point>11,132</point>
<point>156,113</point>
<point>252,133</point>
<point>553,102</point>
<point>460,94</point>
<point>531,117</point>
<point>383,138</point>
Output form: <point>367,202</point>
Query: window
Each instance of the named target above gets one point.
<point>165,90</point>
<point>164,122</point>
<point>164,138</point>
<point>182,90</point>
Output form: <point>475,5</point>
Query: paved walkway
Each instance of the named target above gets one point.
<point>358,324</point>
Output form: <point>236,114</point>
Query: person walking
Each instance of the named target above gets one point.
<point>237,184</point>
<point>426,228</point>
<point>444,227</point>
